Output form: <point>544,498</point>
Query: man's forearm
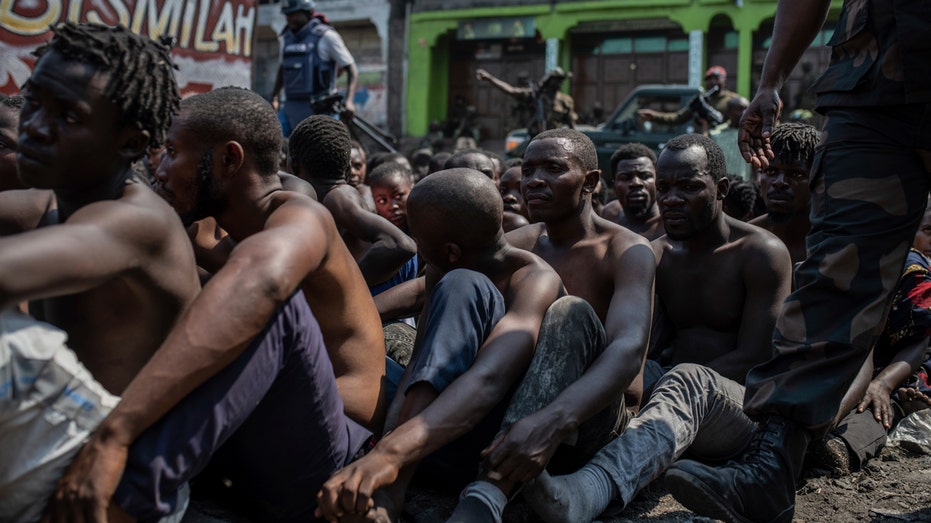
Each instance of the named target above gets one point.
<point>279,82</point>
<point>352,81</point>
<point>384,258</point>
<point>401,301</point>
<point>797,23</point>
<point>456,411</point>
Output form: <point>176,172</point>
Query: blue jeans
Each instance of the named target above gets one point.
<point>464,308</point>
<point>692,408</point>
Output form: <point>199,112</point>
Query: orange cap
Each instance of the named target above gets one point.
<point>715,70</point>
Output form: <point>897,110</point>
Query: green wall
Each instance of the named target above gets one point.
<point>428,57</point>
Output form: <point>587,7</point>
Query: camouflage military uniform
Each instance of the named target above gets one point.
<point>558,110</point>
<point>869,189</point>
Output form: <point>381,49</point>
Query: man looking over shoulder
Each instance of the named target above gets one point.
<point>248,354</point>
<point>320,151</point>
<point>100,257</point>
<point>312,54</point>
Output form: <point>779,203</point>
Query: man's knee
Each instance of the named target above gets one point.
<point>458,280</point>
<point>571,326</point>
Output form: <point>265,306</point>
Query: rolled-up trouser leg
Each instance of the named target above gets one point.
<point>692,408</point>
<point>464,308</point>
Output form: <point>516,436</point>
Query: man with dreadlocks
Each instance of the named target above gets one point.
<point>312,55</point>
<point>243,382</point>
<point>101,258</point>
<point>784,184</point>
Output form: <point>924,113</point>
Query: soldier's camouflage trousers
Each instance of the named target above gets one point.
<point>869,189</point>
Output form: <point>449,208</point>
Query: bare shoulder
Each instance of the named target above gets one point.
<point>533,272</point>
<point>660,246</point>
<point>611,211</point>
<point>755,237</point>
<point>620,238</point>
<point>344,195</point>
<point>300,210</point>
<point>525,237</point>
<point>761,247</point>
<point>138,215</point>
<point>292,183</point>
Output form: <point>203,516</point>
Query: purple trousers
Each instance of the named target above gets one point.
<point>274,414</point>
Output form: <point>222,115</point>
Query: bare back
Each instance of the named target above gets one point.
<point>344,199</point>
<point>722,302</point>
<point>344,308</point>
<point>134,255</point>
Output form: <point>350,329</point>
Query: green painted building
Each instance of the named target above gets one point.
<point>609,46</point>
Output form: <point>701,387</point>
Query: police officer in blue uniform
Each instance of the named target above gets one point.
<point>312,55</point>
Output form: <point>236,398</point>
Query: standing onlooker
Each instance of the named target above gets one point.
<point>312,53</point>
<point>869,185</point>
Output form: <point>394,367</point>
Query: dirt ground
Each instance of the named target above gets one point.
<point>893,488</point>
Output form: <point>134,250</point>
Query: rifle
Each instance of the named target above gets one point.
<point>332,103</point>
<point>700,106</point>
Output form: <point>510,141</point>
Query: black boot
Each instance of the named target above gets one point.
<point>757,487</point>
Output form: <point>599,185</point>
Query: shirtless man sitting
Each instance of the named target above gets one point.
<point>351,327</point>
<point>634,169</point>
<point>248,355</point>
<point>486,302</point>
<point>320,148</point>
<point>719,331</point>
<point>108,263</point>
<point>725,326</point>
<point>784,184</point>
<point>574,391</point>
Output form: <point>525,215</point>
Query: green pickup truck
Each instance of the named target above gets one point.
<point>623,126</point>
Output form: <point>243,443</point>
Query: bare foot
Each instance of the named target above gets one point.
<point>913,400</point>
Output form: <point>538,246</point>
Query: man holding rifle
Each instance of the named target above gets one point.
<point>312,54</point>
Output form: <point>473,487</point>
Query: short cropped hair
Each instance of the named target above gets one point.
<point>321,145</point>
<point>461,204</point>
<point>717,166</point>
<point>631,151</point>
<point>234,113</point>
<point>582,147</point>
